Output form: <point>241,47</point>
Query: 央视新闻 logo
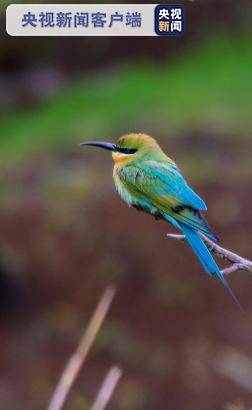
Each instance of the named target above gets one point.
<point>169,20</point>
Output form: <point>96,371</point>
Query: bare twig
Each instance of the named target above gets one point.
<point>107,388</point>
<point>238,262</point>
<point>76,361</point>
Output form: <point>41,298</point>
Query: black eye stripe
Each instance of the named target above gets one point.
<point>126,150</point>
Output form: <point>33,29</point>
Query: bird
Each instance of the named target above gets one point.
<point>148,180</point>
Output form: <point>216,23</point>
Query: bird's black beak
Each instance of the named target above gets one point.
<point>101,144</point>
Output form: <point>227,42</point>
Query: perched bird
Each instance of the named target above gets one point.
<point>148,180</point>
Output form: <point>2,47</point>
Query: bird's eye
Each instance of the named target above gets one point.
<point>126,150</point>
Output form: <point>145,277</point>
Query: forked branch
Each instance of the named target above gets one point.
<point>237,261</point>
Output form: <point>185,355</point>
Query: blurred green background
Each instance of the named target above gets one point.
<point>65,234</point>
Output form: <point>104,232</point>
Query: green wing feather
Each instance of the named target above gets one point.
<point>171,177</point>
<point>165,188</point>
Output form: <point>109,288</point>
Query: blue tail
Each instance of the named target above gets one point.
<point>205,257</point>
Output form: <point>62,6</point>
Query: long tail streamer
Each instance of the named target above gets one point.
<point>206,258</point>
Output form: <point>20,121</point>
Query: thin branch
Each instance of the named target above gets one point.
<point>107,388</point>
<point>237,261</point>
<point>77,359</point>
